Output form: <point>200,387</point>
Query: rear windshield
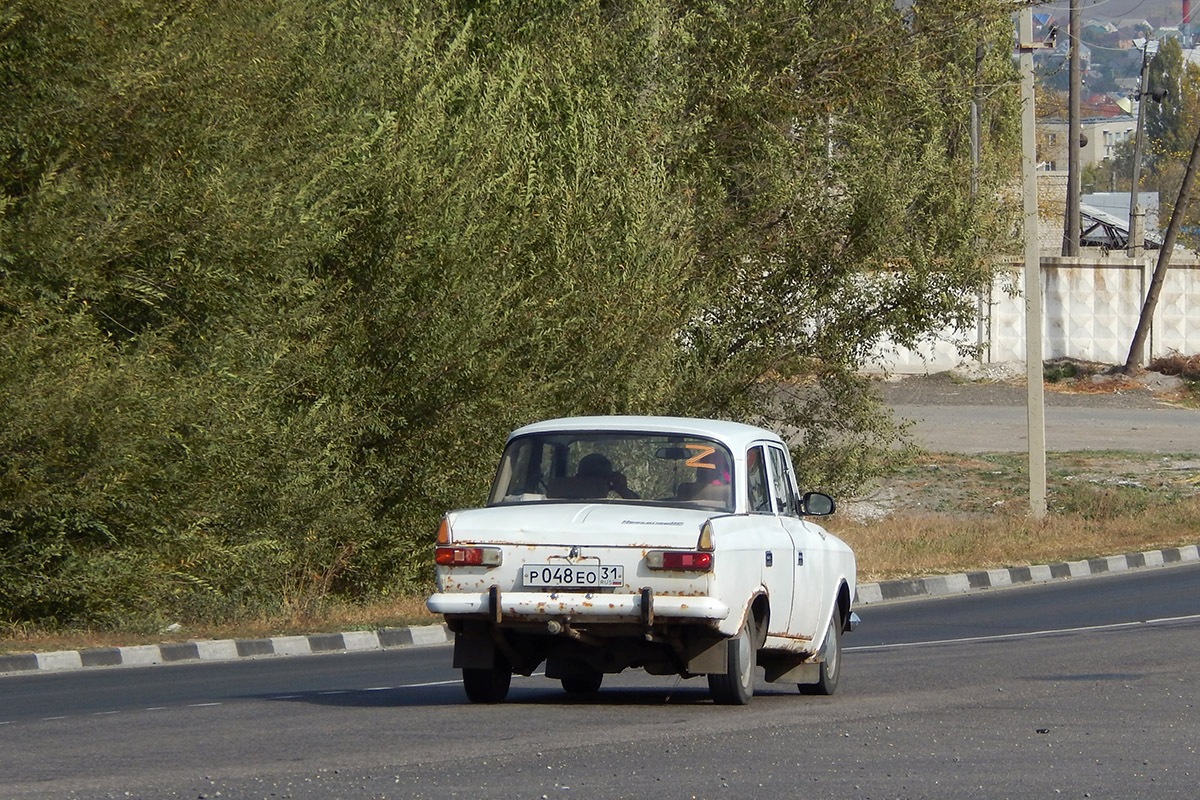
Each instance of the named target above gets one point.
<point>615,467</point>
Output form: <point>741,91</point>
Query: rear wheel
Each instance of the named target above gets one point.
<point>487,684</point>
<point>830,668</point>
<point>736,686</point>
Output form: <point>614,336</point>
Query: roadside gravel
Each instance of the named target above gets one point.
<point>974,429</point>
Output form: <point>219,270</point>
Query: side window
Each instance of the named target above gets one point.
<point>757,485</point>
<point>785,493</point>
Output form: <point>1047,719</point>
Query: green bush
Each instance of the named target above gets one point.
<point>276,278</point>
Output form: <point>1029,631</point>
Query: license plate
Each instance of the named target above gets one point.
<point>582,576</point>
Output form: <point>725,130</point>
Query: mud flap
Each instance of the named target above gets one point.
<point>786,670</point>
<point>472,651</point>
<point>709,658</point>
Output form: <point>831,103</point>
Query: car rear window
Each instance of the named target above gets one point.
<point>615,467</point>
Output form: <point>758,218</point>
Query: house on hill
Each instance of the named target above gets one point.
<point>1102,135</point>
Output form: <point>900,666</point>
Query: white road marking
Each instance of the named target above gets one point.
<point>1027,635</point>
<point>440,683</point>
<point>423,685</point>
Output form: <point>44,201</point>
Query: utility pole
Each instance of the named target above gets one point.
<point>1036,400</point>
<point>1074,131</point>
<point>1137,217</point>
<point>981,306</point>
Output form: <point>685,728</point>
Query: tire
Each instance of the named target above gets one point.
<point>736,686</point>
<point>830,668</point>
<point>583,682</point>
<point>489,684</point>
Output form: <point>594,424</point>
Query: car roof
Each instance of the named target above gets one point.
<point>735,434</point>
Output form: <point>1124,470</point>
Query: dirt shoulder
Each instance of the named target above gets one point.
<point>1105,436</point>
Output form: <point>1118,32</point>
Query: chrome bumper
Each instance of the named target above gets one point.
<point>543,605</point>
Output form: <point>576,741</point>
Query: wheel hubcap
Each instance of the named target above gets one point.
<point>745,652</point>
<point>830,653</point>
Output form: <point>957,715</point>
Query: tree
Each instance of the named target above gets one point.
<point>1172,119</point>
<point>1111,174</point>
<point>1164,113</point>
<point>276,278</point>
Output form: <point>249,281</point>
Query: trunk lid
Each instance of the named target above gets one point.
<point>567,524</point>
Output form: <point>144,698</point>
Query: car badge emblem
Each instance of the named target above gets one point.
<point>574,552</point>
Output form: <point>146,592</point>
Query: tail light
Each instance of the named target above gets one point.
<point>680,560</point>
<point>467,556</point>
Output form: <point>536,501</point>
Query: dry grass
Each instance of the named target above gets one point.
<point>948,513</point>
<point>907,546</point>
<point>1074,376</point>
<point>1108,385</point>
<point>941,514</point>
<point>1186,367</point>
<point>397,612</point>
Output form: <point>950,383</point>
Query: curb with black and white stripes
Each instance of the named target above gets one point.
<point>1015,576</point>
<point>425,635</point>
<point>224,649</point>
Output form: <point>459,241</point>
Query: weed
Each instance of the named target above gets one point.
<point>1058,372</point>
<point>1186,367</point>
<point>951,513</point>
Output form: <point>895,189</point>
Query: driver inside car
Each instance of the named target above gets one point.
<point>597,465</point>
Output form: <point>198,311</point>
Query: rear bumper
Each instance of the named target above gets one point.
<point>543,606</point>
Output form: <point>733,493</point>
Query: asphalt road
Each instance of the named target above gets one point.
<point>1081,688</point>
<point>993,417</point>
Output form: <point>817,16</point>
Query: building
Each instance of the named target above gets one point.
<point>1102,134</point>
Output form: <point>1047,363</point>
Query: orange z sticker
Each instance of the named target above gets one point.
<point>697,461</point>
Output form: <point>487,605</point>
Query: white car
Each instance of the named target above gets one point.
<point>680,546</point>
